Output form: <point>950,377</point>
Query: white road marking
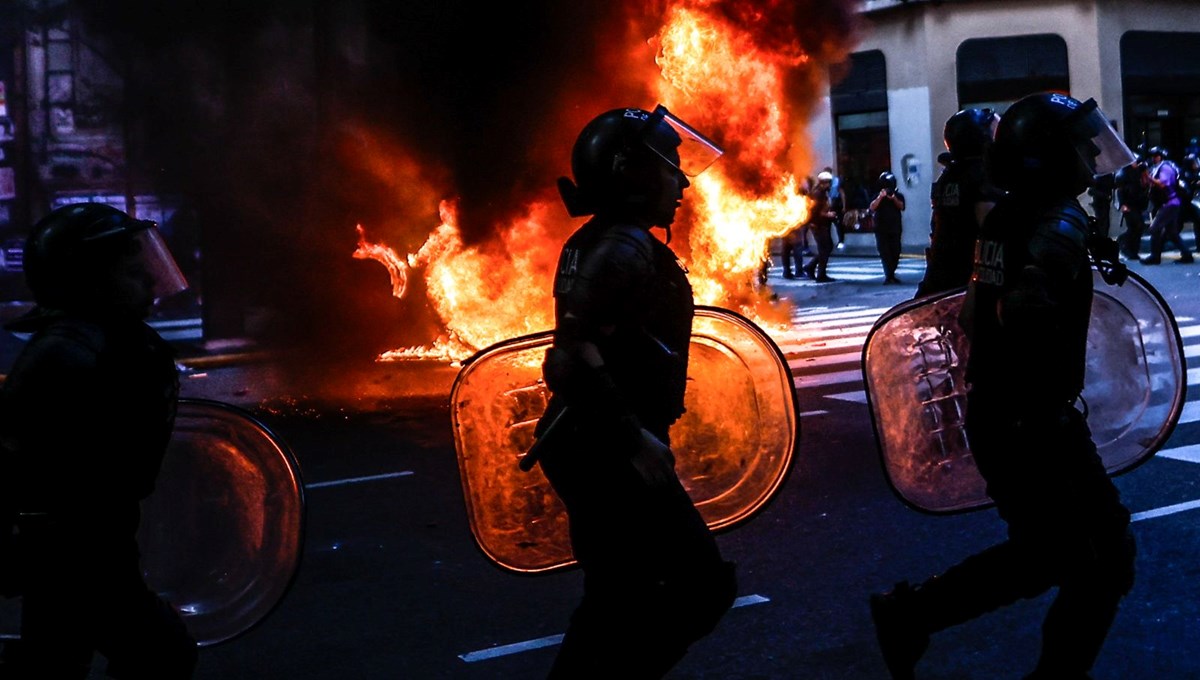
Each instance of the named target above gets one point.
<point>358,480</point>
<point>551,640</point>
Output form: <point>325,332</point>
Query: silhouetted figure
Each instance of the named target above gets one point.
<point>1101,193</point>
<point>791,246</point>
<point>1133,199</point>
<point>1167,207</point>
<point>654,579</point>
<point>1189,185</point>
<point>88,410</point>
<point>960,198</point>
<point>822,213</point>
<point>1026,314</point>
<point>888,206</point>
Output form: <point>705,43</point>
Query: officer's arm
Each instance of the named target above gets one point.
<point>610,275</point>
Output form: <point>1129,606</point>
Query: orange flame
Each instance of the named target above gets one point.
<point>713,74</point>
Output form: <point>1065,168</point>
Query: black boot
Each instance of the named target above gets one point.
<point>902,637</point>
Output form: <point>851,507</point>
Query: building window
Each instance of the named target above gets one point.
<point>1160,81</point>
<point>994,72</point>
<point>858,103</point>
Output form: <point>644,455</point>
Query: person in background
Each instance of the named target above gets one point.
<point>821,216</point>
<point>1026,315</point>
<point>1133,199</point>
<point>654,579</point>
<point>888,207</point>
<point>85,417</point>
<point>1167,206</point>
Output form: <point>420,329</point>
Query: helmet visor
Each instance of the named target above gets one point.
<point>156,258</point>
<point>1097,142</point>
<point>678,143</point>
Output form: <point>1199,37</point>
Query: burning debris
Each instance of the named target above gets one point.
<point>749,71</point>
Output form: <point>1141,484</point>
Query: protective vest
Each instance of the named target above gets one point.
<point>1029,303</point>
<point>953,225</point>
<point>625,291</point>
<point>88,411</point>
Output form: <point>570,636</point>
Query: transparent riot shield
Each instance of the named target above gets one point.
<point>914,362</point>
<point>734,447</point>
<point>222,534</point>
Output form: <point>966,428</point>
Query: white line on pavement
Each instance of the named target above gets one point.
<point>1189,454</point>
<point>357,480</point>
<point>550,640</point>
<point>831,378</point>
<point>1164,511</point>
<point>827,360</point>
<point>858,397</point>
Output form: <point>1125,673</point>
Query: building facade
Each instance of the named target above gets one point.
<point>921,61</point>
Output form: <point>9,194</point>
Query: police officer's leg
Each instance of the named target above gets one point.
<point>1086,605</point>
<point>824,238</point>
<point>654,580</point>
<point>1157,236</point>
<point>1175,228</point>
<point>1094,552</point>
<point>788,252</point>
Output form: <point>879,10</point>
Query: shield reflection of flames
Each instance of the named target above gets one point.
<point>715,76</point>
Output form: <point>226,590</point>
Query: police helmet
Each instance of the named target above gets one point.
<point>1191,161</point>
<point>73,244</point>
<point>887,181</point>
<point>1050,143</point>
<point>613,150</point>
<point>969,132</point>
<point>1158,151</point>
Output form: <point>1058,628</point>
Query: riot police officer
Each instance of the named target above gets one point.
<point>88,409</point>
<point>1133,198</point>
<point>960,197</point>
<point>1026,313</point>
<point>654,578</point>
<point>822,213</point>
<point>1189,191</point>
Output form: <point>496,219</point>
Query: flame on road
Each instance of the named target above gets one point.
<point>715,70</point>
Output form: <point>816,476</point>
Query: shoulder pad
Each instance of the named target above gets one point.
<point>1060,237</point>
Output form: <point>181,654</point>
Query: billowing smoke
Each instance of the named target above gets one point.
<point>286,123</point>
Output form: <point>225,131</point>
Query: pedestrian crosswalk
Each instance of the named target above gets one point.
<point>823,349</point>
<point>856,269</point>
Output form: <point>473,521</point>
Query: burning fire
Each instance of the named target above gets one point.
<point>713,71</point>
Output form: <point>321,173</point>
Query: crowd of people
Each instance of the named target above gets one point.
<point>1153,196</point>
<point>1152,185</point>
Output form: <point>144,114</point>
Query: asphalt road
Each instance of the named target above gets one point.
<point>392,585</point>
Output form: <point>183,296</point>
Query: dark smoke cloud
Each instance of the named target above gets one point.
<point>248,108</point>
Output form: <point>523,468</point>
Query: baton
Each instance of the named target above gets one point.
<point>539,445</point>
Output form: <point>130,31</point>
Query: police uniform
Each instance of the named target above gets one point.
<point>654,579</point>
<point>954,225</point>
<point>1026,314</point>
<point>1133,198</point>
<point>88,411</point>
